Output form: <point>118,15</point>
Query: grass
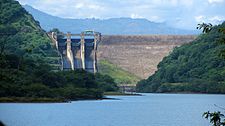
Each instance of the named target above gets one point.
<point>118,74</point>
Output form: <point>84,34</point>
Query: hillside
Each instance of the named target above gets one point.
<point>21,34</point>
<point>118,74</point>
<point>193,67</point>
<point>139,54</point>
<point>111,26</point>
<point>27,59</point>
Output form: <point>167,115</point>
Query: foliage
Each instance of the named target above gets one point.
<point>193,67</point>
<point>58,32</point>
<point>222,41</point>
<point>119,75</point>
<point>216,118</point>
<point>1,124</point>
<point>21,34</point>
<point>205,27</point>
<point>38,81</point>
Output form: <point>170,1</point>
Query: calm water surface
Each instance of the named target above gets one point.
<point>147,110</point>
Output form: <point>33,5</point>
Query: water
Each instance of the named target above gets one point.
<point>147,110</point>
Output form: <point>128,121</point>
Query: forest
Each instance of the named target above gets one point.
<point>196,67</point>
<point>27,64</point>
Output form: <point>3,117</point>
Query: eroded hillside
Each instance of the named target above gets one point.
<point>139,54</point>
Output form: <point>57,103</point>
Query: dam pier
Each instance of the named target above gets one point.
<point>77,51</point>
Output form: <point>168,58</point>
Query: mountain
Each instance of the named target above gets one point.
<point>194,67</point>
<point>106,26</point>
<point>25,49</point>
<point>21,34</point>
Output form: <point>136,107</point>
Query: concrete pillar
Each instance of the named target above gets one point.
<point>54,39</point>
<point>94,56</point>
<point>82,51</point>
<point>69,52</point>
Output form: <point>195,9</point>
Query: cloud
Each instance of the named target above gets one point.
<point>189,12</point>
<point>135,16</point>
<point>215,1</point>
<point>210,19</point>
<point>156,19</point>
<point>79,5</point>
<point>216,19</point>
<point>199,18</point>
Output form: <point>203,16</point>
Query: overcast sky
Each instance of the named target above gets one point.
<point>179,13</point>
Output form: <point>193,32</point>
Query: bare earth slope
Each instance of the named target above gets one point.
<point>139,54</point>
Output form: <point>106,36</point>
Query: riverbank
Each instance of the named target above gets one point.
<point>60,100</point>
<point>122,94</point>
<point>45,100</point>
<point>31,100</point>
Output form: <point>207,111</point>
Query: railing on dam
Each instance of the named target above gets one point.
<point>78,51</point>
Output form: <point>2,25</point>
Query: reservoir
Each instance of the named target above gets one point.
<point>146,110</point>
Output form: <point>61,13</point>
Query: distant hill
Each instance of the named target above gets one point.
<point>106,26</point>
<point>192,67</point>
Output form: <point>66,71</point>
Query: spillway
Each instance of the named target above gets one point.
<point>77,51</point>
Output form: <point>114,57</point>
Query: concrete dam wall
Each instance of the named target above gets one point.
<point>139,54</point>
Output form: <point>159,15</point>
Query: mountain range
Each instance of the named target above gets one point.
<point>111,26</point>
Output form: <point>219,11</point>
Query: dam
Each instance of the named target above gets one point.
<point>139,54</point>
<point>77,51</point>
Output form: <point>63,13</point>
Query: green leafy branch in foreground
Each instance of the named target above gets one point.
<point>206,27</point>
<point>2,124</point>
<point>216,118</point>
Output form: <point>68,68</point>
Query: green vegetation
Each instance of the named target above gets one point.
<point>216,118</point>
<point>1,123</point>
<point>63,85</point>
<point>195,67</point>
<point>22,35</point>
<point>205,27</point>
<point>30,100</point>
<point>27,62</point>
<point>119,75</point>
<point>59,33</point>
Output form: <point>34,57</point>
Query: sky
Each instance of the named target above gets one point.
<point>185,14</point>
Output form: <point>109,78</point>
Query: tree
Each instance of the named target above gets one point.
<point>58,32</point>
<point>216,118</point>
<point>206,27</point>
<point>1,124</point>
<point>5,33</point>
<point>222,41</point>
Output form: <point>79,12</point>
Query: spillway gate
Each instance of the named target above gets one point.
<point>78,51</point>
